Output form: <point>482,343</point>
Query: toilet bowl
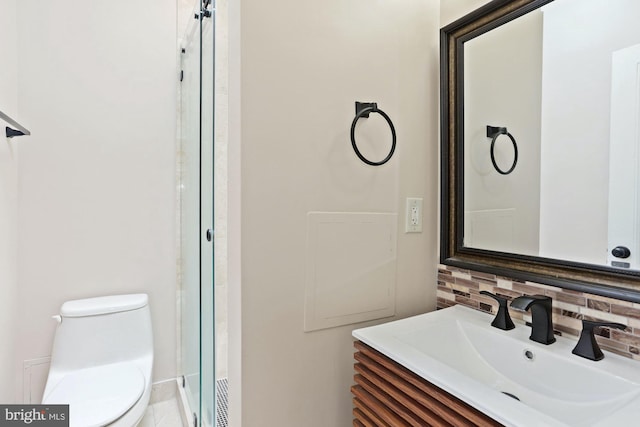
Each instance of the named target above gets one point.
<point>101,361</point>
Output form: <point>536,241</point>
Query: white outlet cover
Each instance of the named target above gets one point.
<point>413,220</point>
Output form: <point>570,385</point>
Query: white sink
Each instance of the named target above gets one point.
<point>458,350</point>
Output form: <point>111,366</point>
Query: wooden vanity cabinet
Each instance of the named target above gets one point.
<point>388,395</point>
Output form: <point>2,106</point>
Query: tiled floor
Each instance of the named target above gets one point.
<point>162,414</point>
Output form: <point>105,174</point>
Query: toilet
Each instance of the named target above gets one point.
<point>101,361</point>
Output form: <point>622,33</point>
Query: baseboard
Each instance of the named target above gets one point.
<point>163,390</point>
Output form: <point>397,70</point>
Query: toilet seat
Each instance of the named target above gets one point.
<point>100,395</point>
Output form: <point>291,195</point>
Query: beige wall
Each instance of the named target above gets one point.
<point>97,178</point>
<point>450,10</point>
<point>301,66</point>
<point>8,196</point>
<point>184,16</point>
<point>494,90</point>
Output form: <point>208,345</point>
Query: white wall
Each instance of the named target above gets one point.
<point>575,123</point>
<point>502,86</point>
<point>301,67</point>
<point>97,178</point>
<point>8,197</point>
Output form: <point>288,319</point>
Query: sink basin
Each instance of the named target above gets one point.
<point>514,380</point>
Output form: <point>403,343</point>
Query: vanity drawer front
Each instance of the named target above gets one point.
<point>388,395</point>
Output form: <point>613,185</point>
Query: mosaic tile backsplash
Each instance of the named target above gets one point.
<point>459,286</point>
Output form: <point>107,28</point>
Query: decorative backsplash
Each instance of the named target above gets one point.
<point>459,286</point>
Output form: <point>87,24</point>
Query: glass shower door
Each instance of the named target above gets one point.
<point>189,192</point>
<point>197,362</point>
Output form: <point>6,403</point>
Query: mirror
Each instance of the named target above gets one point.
<point>541,143</point>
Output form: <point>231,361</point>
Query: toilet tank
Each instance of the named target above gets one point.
<point>99,331</point>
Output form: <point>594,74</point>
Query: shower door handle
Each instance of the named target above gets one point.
<point>209,234</point>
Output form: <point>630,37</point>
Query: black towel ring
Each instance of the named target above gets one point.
<point>362,110</point>
<point>494,132</point>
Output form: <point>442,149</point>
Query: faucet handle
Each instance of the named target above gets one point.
<point>587,346</point>
<point>523,302</point>
<point>590,324</point>
<point>502,320</point>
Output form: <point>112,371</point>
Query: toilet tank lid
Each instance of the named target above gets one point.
<point>103,305</point>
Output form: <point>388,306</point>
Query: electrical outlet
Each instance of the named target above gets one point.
<point>413,222</point>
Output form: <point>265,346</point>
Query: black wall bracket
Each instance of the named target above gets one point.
<point>495,130</point>
<point>362,106</point>
<point>16,128</point>
<point>13,132</point>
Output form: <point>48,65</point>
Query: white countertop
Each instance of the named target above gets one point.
<point>457,350</point>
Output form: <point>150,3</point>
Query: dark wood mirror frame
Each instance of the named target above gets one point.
<point>591,278</point>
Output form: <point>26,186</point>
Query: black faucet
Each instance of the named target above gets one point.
<point>502,320</point>
<point>541,322</point>
<point>587,346</point>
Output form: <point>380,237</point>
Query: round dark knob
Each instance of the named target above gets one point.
<point>621,252</point>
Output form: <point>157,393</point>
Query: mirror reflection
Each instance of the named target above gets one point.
<point>563,81</point>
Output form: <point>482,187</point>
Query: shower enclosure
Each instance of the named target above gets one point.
<point>200,239</point>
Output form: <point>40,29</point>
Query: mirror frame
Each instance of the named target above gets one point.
<point>590,278</point>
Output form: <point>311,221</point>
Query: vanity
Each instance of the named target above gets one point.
<point>381,384</point>
<point>451,367</point>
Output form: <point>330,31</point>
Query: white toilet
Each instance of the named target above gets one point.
<point>101,361</point>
